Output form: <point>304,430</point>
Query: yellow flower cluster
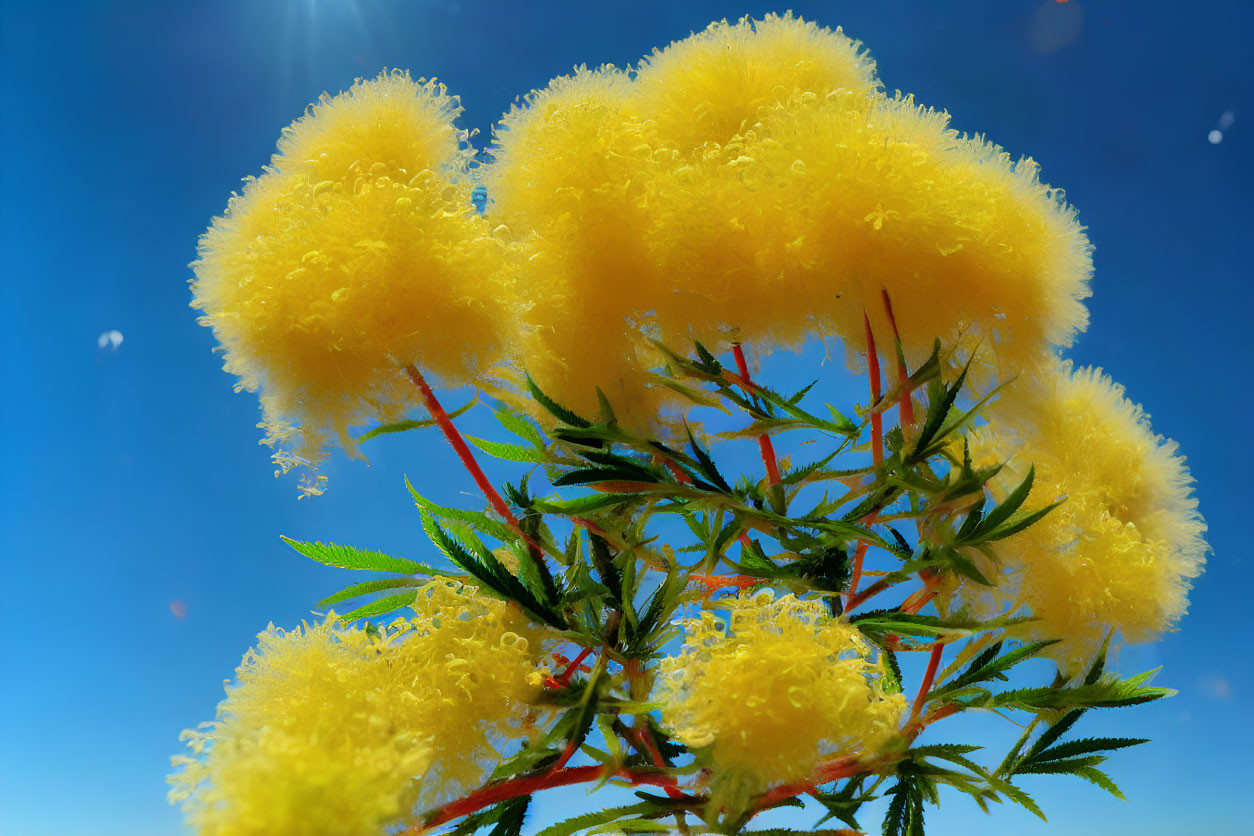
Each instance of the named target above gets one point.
<point>570,168</point>
<point>802,222</point>
<point>751,183</point>
<point>356,252</point>
<point>1119,551</point>
<point>773,692</point>
<point>333,731</point>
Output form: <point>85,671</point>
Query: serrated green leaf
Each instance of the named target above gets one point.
<point>586,821</point>
<point>348,557</point>
<point>510,452</point>
<point>476,519</point>
<point>1059,767</point>
<point>1095,776</point>
<point>1086,746</point>
<point>557,410</point>
<point>359,589</point>
<point>991,668</point>
<point>382,606</point>
<point>405,426</point>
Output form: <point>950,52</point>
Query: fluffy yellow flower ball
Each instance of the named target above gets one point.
<point>570,181</point>
<point>773,693</point>
<point>356,252</point>
<point>1120,550</point>
<point>332,731</point>
<point>804,220</point>
<point>707,88</point>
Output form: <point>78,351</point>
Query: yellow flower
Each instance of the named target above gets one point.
<point>1120,551</point>
<point>802,221</point>
<point>714,84</point>
<point>356,252</point>
<point>331,730</point>
<point>770,696</point>
<point>570,182</point>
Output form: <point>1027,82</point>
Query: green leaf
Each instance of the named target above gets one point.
<point>1095,776</point>
<point>359,589</point>
<point>507,816</point>
<point>988,666</point>
<point>347,557</point>
<point>1106,693</point>
<point>584,505</point>
<point>1099,663</point>
<point>556,409</point>
<point>1012,502</point>
<point>706,464</point>
<point>1088,745</point>
<point>1059,767</point>
<point>520,425</point>
<point>396,427</point>
<point>594,819</point>
<point>593,475</point>
<point>489,571</point>
<point>476,519</point>
<point>1051,734</point>
<point>382,606</point>
<point>510,452</point>
<point>405,426</point>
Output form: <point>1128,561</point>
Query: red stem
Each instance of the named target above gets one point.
<point>873,371</point>
<point>675,469</point>
<point>764,441</point>
<point>929,676</point>
<point>877,446</point>
<point>905,404</point>
<point>526,785</point>
<point>463,452</point>
<point>855,574</point>
<point>646,740</point>
<point>565,675</point>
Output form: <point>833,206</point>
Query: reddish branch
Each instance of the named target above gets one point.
<point>463,452</point>
<point>873,371</point>
<point>877,450</point>
<point>764,441</point>
<point>713,583</point>
<point>565,675</point>
<point>675,469</point>
<point>905,404</point>
<point>929,676</point>
<point>526,785</point>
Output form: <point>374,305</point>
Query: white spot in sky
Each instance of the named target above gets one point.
<point>109,339</point>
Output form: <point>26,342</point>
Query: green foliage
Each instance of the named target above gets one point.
<point>347,557</point>
<point>585,559</point>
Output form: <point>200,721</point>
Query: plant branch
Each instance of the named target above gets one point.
<point>765,447</point>
<point>528,784</point>
<point>454,438</point>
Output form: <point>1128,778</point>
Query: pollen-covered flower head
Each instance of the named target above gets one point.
<point>570,184</point>
<point>1121,549</point>
<point>710,86</point>
<point>333,731</point>
<point>356,252</point>
<point>772,692</point>
<point>801,223</point>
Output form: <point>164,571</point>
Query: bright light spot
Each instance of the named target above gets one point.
<point>178,609</point>
<point>1217,687</point>
<point>109,339</point>
<point>1055,26</point>
<point>1216,136</point>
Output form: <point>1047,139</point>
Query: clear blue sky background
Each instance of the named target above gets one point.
<point>133,479</point>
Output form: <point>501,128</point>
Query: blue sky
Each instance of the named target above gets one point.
<point>133,479</point>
